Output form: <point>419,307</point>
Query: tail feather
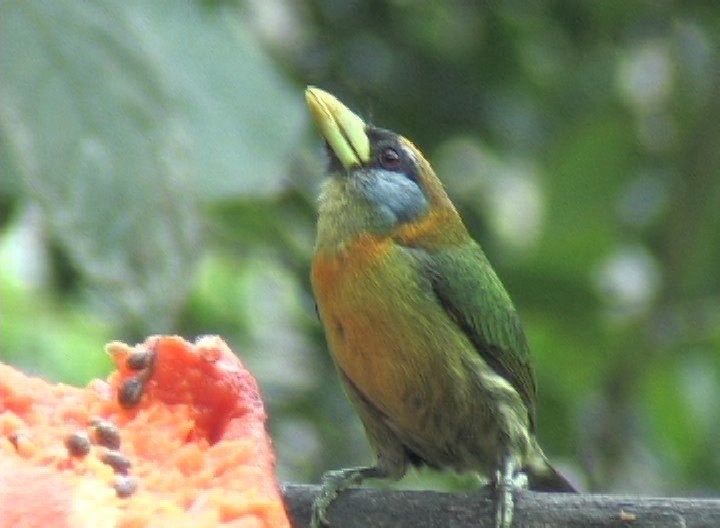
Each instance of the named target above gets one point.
<point>549,479</point>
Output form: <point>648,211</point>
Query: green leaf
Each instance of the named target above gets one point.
<point>119,117</point>
<point>91,127</point>
<point>242,117</point>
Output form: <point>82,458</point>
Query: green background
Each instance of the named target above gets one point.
<point>158,174</point>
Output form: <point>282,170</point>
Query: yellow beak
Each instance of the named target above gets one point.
<point>342,129</point>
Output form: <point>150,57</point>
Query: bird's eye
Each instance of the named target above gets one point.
<point>390,158</point>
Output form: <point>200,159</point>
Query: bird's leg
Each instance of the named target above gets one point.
<point>333,482</point>
<point>507,482</point>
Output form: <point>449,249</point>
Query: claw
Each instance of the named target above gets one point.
<point>328,493</point>
<point>333,482</point>
<point>508,482</point>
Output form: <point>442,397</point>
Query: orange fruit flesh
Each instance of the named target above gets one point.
<point>195,440</point>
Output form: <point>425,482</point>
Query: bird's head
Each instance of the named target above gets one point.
<point>379,182</point>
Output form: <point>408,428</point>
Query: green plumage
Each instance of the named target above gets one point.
<point>471,293</point>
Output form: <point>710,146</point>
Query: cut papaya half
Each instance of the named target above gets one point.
<point>175,437</point>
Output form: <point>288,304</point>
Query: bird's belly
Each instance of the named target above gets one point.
<point>397,345</point>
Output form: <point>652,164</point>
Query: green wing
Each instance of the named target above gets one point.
<point>468,288</point>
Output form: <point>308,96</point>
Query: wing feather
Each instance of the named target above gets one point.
<point>468,288</point>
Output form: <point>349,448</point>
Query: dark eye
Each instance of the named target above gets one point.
<point>390,159</point>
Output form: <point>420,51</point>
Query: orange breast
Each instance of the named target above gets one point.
<point>386,330</point>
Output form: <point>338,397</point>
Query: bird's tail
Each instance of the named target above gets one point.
<point>542,476</point>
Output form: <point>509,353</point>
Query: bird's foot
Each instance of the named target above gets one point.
<point>333,482</point>
<point>507,482</point>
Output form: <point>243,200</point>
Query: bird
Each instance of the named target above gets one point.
<point>425,338</point>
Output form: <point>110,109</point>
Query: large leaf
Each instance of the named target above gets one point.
<point>242,118</point>
<point>91,129</point>
<point>119,116</point>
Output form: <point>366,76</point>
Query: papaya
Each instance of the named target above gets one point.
<point>174,437</point>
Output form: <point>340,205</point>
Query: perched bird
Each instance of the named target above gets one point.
<point>425,338</point>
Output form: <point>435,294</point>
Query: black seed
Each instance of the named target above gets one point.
<point>15,437</point>
<point>77,443</point>
<point>130,392</point>
<point>116,460</point>
<point>139,359</point>
<point>107,434</point>
<point>125,486</point>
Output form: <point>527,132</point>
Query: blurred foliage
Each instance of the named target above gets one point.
<point>158,175</point>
